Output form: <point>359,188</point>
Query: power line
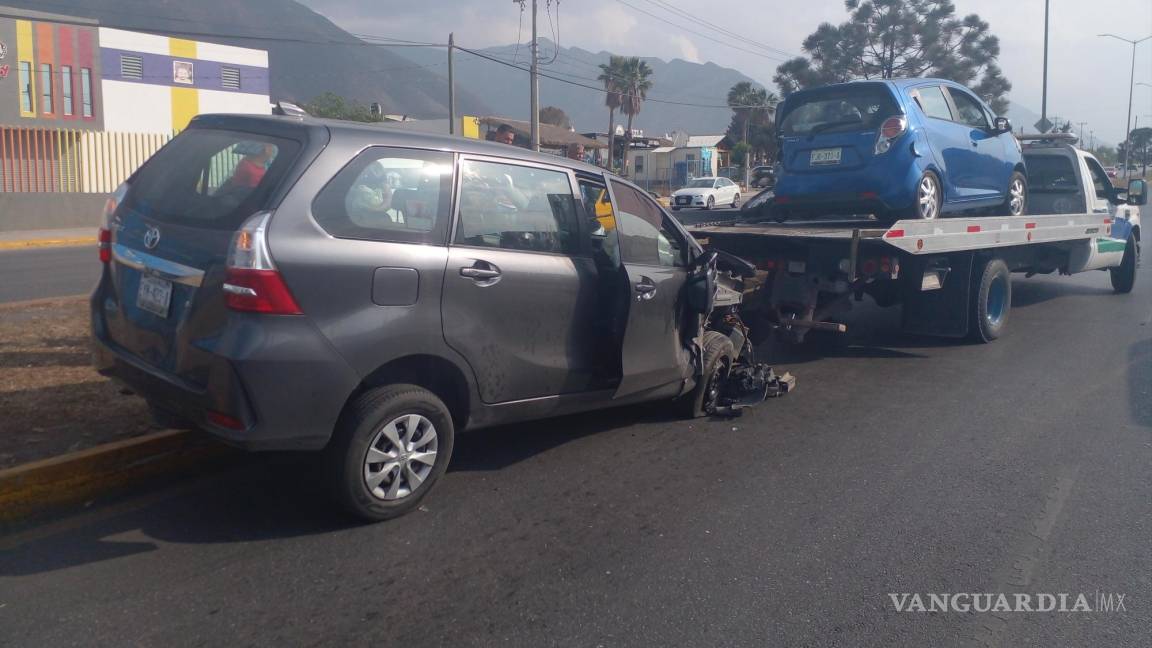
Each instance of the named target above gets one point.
<point>701,35</point>
<point>723,30</point>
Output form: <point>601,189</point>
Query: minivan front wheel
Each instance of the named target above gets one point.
<point>390,447</point>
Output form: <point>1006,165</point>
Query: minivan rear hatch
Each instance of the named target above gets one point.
<point>170,235</point>
<point>833,128</point>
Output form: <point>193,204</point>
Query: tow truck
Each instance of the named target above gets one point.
<point>952,275</point>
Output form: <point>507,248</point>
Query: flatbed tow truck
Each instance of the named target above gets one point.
<point>951,275</point>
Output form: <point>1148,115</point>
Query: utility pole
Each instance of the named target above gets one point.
<point>535,92</point>
<point>451,85</point>
<point>1044,91</point>
<point>1082,125</point>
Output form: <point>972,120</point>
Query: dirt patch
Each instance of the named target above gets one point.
<point>51,400</point>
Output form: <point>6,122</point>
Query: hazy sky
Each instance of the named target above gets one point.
<point>1088,76</point>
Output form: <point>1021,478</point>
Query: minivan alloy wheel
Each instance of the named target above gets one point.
<point>400,457</point>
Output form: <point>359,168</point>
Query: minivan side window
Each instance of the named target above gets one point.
<point>388,194</point>
<point>931,100</point>
<point>969,109</point>
<point>517,208</point>
<point>645,236</point>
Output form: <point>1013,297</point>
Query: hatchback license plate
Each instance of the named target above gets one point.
<point>154,295</point>
<point>824,156</point>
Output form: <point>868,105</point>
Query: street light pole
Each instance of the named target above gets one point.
<point>535,100</point>
<point>1044,91</point>
<point>1131,87</point>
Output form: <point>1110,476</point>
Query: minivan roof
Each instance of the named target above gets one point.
<point>382,135</point>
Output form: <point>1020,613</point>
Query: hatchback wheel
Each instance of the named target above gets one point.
<point>391,446</point>
<point>928,197</point>
<point>1017,201</point>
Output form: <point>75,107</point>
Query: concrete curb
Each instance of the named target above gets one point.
<point>40,487</point>
<point>40,243</point>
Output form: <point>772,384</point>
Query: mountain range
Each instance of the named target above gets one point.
<point>310,55</point>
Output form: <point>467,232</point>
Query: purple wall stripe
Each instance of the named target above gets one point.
<point>206,74</point>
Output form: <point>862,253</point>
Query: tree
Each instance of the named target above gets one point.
<point>555,116</point>
<point>752,110</point>
<point>886,39</point>
<point>1141,142</point>
<point>610,75</point>
<point>333,106</point>
<point>635,82</point>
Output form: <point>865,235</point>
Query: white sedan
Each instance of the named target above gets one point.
<point>707,193</point>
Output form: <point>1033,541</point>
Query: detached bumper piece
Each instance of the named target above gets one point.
<point>749,385</point>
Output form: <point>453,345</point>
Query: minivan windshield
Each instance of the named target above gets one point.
<point>210,178</point>
<point>837,108</point>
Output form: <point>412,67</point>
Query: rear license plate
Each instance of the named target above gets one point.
<point>154,295</point>
<point>824,156</point>
<point>797,266</point>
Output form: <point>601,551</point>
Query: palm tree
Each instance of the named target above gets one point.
<point>750,103</point>
<point>635,82</point>
<point>610,74</point>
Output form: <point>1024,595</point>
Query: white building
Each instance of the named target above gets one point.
<point>671,167</point>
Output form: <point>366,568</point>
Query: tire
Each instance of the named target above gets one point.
<point>710,203</point>
<point>1124,275</point>
<point>929,198</point>
<point>366,424</point>
<point>735,200</point>
<point>1016,204</point>
<point>991,301</point>
<point>719,354</point>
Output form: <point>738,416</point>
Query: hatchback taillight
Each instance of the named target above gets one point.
<point>252,283</point>
<point>890,130</point>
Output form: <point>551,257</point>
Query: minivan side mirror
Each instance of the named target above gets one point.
<point>1137,192</point>
<point>1002,125</point>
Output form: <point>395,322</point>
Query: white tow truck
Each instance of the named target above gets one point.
<point>952,275</point>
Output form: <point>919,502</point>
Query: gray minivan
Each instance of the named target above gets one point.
<point>291,283</point>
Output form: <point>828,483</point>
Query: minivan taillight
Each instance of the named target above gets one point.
<point>252,284</point>
<point>890,130</point>
<point>104,234</point>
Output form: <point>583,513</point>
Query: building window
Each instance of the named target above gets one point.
<point>66,89</point>
<point>46,88</point>
<point>230,78</point>
<point>27,104</point>
<point>639,164</point>
<point>86,91</point>
<point>131,67</point>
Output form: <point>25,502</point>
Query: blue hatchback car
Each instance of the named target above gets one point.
<point>905,148</point>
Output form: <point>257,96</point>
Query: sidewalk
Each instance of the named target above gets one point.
<point>19,239</point>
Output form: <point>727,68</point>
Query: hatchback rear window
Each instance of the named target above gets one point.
<point>838,108</point>
<point>210,178</point>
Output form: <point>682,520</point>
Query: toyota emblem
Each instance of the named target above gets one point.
<point>151,238</point>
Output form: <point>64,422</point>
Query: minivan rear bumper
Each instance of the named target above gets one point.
<point>279,378</point>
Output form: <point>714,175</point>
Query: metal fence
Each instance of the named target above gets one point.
<point>59,160</point>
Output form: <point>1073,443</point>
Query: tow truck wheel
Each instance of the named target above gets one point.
<point>719,354</point>
<point>991,301</point>
<point>1124,275</point>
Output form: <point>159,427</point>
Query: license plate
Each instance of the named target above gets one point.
<point>154,295</point>
<point>824,156</point>
<point>797,266</point>
<point>683,200</point>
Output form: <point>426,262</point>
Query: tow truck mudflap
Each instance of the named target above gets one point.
<point>749,385</point>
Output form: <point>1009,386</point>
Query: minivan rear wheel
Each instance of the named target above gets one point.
<point>391,446</point>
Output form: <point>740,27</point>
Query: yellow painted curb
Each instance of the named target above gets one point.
<point>38,243</point>
<point>42,486</point>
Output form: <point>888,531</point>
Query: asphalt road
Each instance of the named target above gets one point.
<point>47,272</point>
<point>901,465</point>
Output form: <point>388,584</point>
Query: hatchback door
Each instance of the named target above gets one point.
<point>170,237</point>
<point>952,141</point>
<point>519,300</point>
<point>833,129</point>
<point>991,172</point>
<point>655,257</point>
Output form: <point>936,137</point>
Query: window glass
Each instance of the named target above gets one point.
<point>932,102</point>
<point>210,178</point>
<point>26,87</point>
<point>1050,174</point>
<point>1099,179</point>
<point>46,89</point>
<point>602,220</point>
<point>517,208</point>
<point>66,87</point>
<point>389,194</point>
<point>86,91</point>
<point>639,164</point>
<point>970,111</point>
<point>645,237</point>
<point>837,109</point>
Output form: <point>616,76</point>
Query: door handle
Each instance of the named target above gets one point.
<point>479,273</point>
<point>645,289</point>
